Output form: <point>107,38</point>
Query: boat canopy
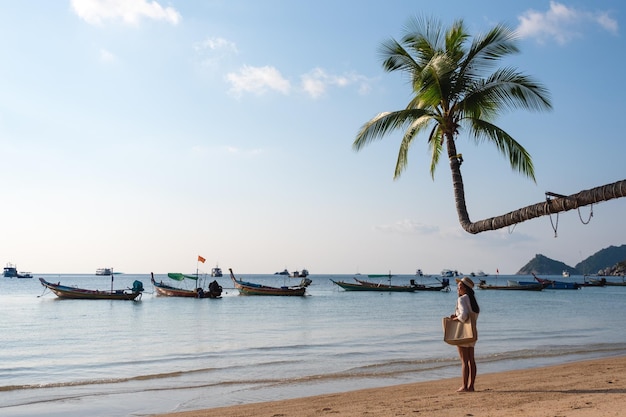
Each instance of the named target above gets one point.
<point>179,277</point>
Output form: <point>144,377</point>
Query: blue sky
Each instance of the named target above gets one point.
<point>139,134</point>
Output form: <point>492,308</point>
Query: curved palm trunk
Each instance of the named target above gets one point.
<point>457,183</point>
<point>550,206</point>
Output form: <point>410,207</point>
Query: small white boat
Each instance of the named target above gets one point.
<point>104,271</point>
<point>565,274</point>
<point>216,272</point>
<point>300,274</point>
<point>10,271</point>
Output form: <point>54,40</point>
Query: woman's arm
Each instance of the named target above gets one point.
<point>464,308</point>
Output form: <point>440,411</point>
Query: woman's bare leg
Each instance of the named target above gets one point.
<point>465,367</point>
<point>472,368</point>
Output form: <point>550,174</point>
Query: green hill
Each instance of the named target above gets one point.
<point>603,259</point>
<point>546,266</point>
<point>607,261</point>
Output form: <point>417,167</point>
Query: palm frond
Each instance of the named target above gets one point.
<point>412,131</point>
<point>423,37</point>
<point>395,57</point>
<point>485,50</point>
<point>519,158</point>
<point>435,144</point>
<point>456,37</point>
<point>506,89</point>
<point>384,123</point>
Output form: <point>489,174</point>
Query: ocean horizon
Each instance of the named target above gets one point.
<point>161,354</point>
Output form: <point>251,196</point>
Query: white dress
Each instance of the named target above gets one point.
<point>464,312</point>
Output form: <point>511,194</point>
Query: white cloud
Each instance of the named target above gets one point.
<point>607,22</point>
<point>317,81</point>
<point>216,43</point>
<point>208,151</point>
<point>407,227</point>
<point>107,56</point>
<point>232,149</point>
<point>212,51</point>
<point>130,12</point>
<point>257,80</point>
<point>562,23</point>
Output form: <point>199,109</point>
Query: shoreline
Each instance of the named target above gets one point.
<point>590,388</point>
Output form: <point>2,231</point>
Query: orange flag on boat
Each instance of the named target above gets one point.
<point>201,259</point>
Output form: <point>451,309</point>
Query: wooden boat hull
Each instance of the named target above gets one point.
<point>533,287</point>
<point>554,285</point>
<point>246,289</point>
<point>249,288</point>
<point>401,288</point>
<point>442,287</point>
<point>380,287</point>
<point>594,282</point>
<point>169,291</point>
<point>560,285</point>
<point>370,286</point>
<point>512,285</point>
<point>63,291</point>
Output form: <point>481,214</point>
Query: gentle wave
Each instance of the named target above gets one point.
<point>385,369</point>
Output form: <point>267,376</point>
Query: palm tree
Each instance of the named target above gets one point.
<point>454,90</point>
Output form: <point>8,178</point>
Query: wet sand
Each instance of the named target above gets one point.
<point>589,388</point>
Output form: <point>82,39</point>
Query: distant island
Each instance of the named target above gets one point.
<point>609,261</point>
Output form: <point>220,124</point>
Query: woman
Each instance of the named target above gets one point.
<point>466,306</point>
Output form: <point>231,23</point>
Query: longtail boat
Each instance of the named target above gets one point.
<point>594,282</point>
<point>63,291</point>
<point>615,283</point>
<point>214,290</point>
<point>371,286</point>
<point>249,288</point>
<point>512,285</point>
<point>554,285</point>
<point>443,285</point>
<point>362,285</point>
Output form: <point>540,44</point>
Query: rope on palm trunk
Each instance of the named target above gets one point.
<point>590,215</point>
<point>554,226</point>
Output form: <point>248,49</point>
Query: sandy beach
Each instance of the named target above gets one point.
<point>590,388</point>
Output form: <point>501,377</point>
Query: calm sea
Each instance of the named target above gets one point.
<point>122,358</point>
